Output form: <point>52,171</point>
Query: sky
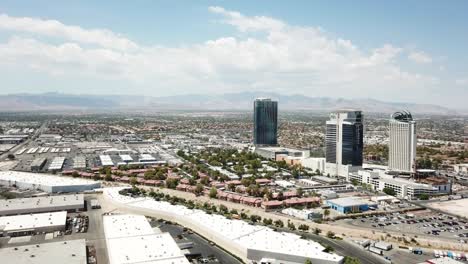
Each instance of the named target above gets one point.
<point>400,51</point>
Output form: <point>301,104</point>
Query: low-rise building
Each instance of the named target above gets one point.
<point>348,205</point>
<point>131,239</point>
<point>22,225</point>
<point>46,182</point>
<point>70,252</point>
<point>69,203</point>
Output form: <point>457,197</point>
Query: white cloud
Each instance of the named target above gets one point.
<point>462,82</point>
<point>420,57</point>
<point>286,59</point>
<point>54,28</point>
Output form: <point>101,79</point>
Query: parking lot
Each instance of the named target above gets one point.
<point>420,223</point>
<point>201,250</point>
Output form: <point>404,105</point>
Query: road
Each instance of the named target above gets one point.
<point>339,229</point>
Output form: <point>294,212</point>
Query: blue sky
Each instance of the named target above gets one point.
<point>408,51</point>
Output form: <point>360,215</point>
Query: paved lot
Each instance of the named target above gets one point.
<point>201,245</point>
<point>427,223</point>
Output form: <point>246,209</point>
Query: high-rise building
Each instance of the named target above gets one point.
<point>265,122</point>
<point>402,144</point>
<point>344,138</point>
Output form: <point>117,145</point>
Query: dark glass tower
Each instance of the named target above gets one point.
<point>344,138</point>
<point>265,122</point>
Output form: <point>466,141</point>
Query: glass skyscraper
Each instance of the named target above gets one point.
<point>265,122</point>
<point>344,138</point>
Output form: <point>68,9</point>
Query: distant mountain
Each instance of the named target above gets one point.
<point>229,101</point>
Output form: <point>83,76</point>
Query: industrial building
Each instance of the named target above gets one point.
<point>106,160</point>
<point>70,252</point>
<point>402,144</point>
<point>79,162</point>
<point>69,202</point>
<point>57,164</point>
<point>265,122</point>
<point>252,243</point>
<point>23,225</point>
<point>131,239</point>
<point>146,158</point>
<point>348,205</point>
<point>38,163</point>
<point>126,158</point>
<point>46,182</point>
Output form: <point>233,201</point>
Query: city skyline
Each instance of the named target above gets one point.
<point>237,47</point>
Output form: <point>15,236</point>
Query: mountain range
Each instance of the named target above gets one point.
<point>229,101</point>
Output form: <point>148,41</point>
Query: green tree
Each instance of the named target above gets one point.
<point>213,192</point>
<point>330,234</point>
<point>351,260</point>
<point>308,261</point>
<point>389,191</point>
<point>199,189</point>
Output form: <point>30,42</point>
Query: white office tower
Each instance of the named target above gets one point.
<point>344,142</point>
<point>402,145</point>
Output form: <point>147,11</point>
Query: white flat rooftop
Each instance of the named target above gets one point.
<point>32,221</point>
<point>130,239</point>
<point>106,160</point>
<point>42,202</point>
<point>348,201</point>
<point>42,179</point>
<point>70,252</point>
<point>125,157</point>
<point>240,232</point>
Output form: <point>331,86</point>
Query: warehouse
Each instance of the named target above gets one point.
<point>131,239</point>
<point>23,225</point>
<point>146,157</point>
<point>46,182</point>
<point>37,164</point>
<point>106,160</point>
<point>79,162</point>
<point>70,252</point>
<point>348,205</point>
<point>57,164</point>
<point>126,158</point>
<point>69,202</point>
<point>251,243</point>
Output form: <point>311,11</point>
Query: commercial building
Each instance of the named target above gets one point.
<point>22,225</point>
<point>46,182</point>
<point>57,164</point>
<point>314,164</point>
<point>344,140</point>
<point>130,239</point>
<point>69,202</point>
<point>274,152</point>
<point>403,187</point>
<point>146,158</point>
<point>79,162</point>
<point>38,163</point>
<point>251,243</point>
<point>70,252</point>
<point>402,145</point>
<point>106,160</point>
<point>348,205</point>
<point>265,122</point>
<point>126,158</point>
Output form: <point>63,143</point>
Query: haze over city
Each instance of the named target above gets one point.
<point>396,51</point>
